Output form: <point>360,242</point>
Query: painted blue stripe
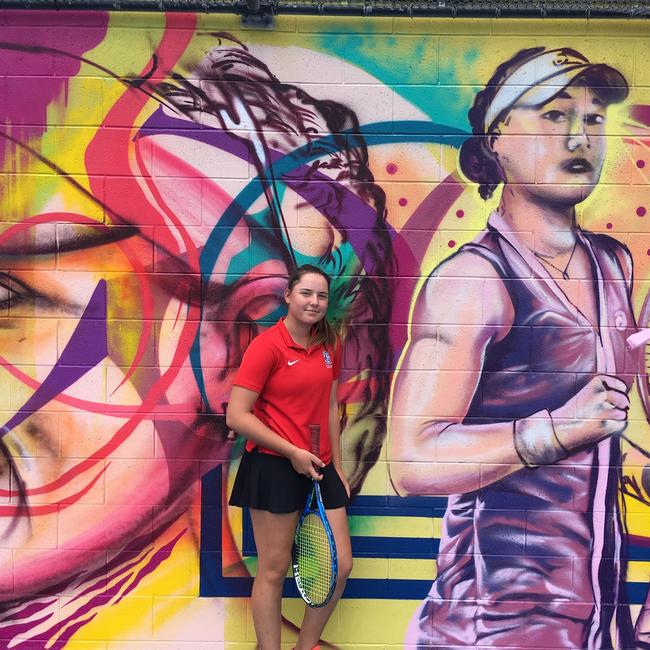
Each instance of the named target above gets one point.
<point>392,504</point>
<point>210,573</point>
<point>399,547</point>
<point>387,589</point>
<point>378,589</point>
<point>396,512</point>
<point>638,553</point>
<point>637,592</point>
<point>378,547</point>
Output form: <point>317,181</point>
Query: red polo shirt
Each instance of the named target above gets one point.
<point>294,387</point>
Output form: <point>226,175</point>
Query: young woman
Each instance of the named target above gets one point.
<point>287,381</point>
<point>519,339</point>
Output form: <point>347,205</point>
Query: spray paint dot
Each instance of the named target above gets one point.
<point>403,201</point>
<point>609,226</point>
<point>451,243</point>
<point>640,164</point>
<point>641,211</point>
<point>460,214</point>
<point>391,168</point>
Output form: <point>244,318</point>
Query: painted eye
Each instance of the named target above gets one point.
<point>7,295</point>
<point>594,118</point>
<point>13,292</point>
<point>554,116</point>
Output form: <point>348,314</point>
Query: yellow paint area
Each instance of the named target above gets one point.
<point>167,591</point>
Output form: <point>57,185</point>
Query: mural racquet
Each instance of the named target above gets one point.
<point>640,339</point>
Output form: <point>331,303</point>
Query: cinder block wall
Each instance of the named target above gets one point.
<point>160,174</point>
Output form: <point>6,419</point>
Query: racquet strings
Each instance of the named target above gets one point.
<point>314,560</point>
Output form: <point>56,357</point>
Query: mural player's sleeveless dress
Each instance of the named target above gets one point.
<point>536,559</point>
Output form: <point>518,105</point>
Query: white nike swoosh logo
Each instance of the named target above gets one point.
<point>291,363</point>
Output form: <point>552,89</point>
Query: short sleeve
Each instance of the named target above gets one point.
<point>256,365</point>
<point>336,366</point>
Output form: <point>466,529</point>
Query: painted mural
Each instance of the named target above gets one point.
<point>160,176</point>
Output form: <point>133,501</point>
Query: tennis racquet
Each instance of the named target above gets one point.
<point>641,338</point>
<point>315,567</point>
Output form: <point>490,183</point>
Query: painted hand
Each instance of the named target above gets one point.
<point>595,412</point>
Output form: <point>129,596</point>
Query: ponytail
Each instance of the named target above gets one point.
<point>325,334</point>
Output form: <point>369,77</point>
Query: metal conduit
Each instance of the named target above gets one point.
<point>452,8</point>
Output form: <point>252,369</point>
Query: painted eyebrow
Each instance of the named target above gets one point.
<point>564,94</point>
<point>79,237</point>
<point>64,238</point>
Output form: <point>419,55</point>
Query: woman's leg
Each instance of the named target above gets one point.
<point>315,619</point>
<point>273,539</point>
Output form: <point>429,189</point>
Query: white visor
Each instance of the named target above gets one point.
<point>539,78</point>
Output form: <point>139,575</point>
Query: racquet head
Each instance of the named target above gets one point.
<point>314,558</point>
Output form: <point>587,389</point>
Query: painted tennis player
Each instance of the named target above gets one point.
<point>286,383</point>
<point>522,334</point>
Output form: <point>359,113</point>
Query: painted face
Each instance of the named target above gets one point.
<point>557,150</point>
<point>307,301</point>
<point>97,323</point>
<point>119,451</point>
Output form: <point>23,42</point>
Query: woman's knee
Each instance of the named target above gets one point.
<point>344,567</point>
<point>274,568</point>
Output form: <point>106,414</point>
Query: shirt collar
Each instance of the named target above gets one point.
<point>522,242</point>
<point>526,265</point>
<point>288,340</point>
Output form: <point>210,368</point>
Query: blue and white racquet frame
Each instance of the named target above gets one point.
<point>315,565</point>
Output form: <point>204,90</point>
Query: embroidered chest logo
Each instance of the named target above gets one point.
<point>328,359</point>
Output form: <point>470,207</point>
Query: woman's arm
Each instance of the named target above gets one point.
<point>457,315</point>
<point>436,381</point>
<point>334,424</point>
<point>240,418</point>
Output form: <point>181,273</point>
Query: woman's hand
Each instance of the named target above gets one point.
<point>305,463</point>
<point>344,480</point>
<point>595,412</point>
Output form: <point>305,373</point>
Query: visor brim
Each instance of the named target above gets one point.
<point>607,82</point>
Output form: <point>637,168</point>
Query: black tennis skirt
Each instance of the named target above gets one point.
<point>268,482</point>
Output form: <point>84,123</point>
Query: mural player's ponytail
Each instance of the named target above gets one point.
<point>324,332</point>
